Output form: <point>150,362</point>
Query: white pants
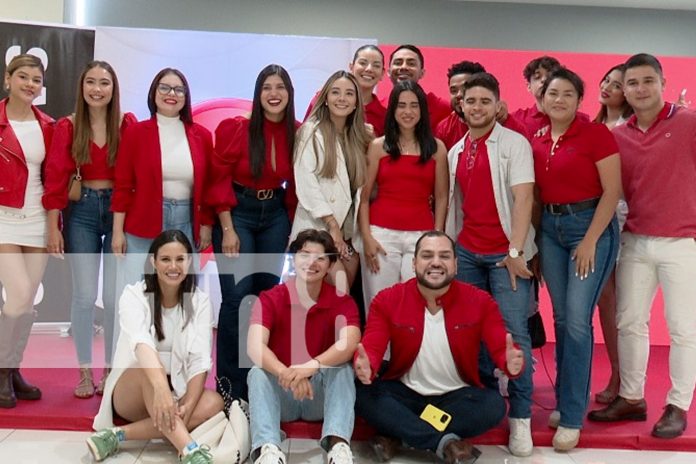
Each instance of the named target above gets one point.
<point>646,262</point>
<point>395,267</point>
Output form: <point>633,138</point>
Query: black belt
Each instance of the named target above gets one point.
<point>263,194</point>
<point>570,208</point>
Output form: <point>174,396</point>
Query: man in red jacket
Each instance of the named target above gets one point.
<point>430,396</point>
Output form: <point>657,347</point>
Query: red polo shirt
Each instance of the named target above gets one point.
<point>658,173</point>
<point>567,173</point>
<point>299,334</point>
<point>452,129</point>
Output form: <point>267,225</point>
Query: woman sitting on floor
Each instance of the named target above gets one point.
<point>162,358</point>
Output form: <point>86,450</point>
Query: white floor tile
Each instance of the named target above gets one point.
<point>4,433</point>
<point>500,455</point>
<point>612,456</point>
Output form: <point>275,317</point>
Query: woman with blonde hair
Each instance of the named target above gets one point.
<point>330,168</point>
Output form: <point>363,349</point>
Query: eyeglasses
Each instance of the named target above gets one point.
<point>165,89</point>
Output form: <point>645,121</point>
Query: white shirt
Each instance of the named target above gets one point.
<point>177,166</point>
<point>30,138</point>
<point>171,322</point>
<point>434,372</point>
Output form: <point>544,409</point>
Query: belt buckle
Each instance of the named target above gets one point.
<point>554,211</point>
<point>265,194</point>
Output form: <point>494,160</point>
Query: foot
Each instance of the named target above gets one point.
<point>520,442</point>
<point>85,389</point>
<point>103,444</point>
<point>7,395</point>
<point>102,383</point>
<point>384,448</point>
<point>554,419</point>
<point>460,452</point>
<point>270,454</point>
<point>565,439</point>
<point>339,454</point>
<point>672,423</point>
<point>24,390</point>
<point>619,410</point>
<point>200,455</point>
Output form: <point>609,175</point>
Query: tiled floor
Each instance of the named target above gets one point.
<point>39,447</point>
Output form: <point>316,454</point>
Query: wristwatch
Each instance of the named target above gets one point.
<point>515,253</point>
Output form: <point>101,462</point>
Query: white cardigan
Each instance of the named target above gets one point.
<point>191,350</point>
<point>511,163</point>
<point>318,196</point>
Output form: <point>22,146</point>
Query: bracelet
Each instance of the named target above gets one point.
<point>226,228</point>
<point>318,363</point>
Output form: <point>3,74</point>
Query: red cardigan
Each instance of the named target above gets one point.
<point>14,173</point>
<point>138,182</point>
<point>471,316</point>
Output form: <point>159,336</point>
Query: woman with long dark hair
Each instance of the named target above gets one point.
<point>87,140</point>
<point>253,194</point>
<point>25,135</point>
<point>162,358</point>
<point>408,168</point>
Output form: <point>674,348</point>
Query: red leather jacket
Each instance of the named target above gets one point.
<point>471,316</point>
<point>13,171</point>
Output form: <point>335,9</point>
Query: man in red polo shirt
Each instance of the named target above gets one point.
<point>430,396</point>
<point>302,335</point>
<point>658,154</point>
<point>534,118</point>
<point>407,63</point>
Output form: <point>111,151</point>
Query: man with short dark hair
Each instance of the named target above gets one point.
<point>430,396</point>
<point>534,118</point>
<point>658,149</point>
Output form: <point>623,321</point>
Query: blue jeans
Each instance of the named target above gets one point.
<point>263,228</point>
<point>573,302</point>
<point>334,400</point>
<point>88,234</point>
<point>481,271</point>
<point>394,410</point>
<point>176,214</point>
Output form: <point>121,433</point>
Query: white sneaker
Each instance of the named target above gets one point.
<point>520,442</point>
<point>340,454</point>
<point>565,439</point>
<point>554,419</point>
<point>270,454</point>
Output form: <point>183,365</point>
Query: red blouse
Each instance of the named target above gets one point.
<point>60,164</point>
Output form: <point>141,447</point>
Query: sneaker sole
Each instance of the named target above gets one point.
<point>94,451</point>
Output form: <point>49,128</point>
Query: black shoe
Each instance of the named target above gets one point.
<point>672,423</point>
<point>22,389</point>
<point>7,394</point>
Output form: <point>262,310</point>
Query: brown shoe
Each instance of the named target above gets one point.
<point>7,394</point>
<point>620,410</point>
<point>672,423</point>
<point>24,390</point>
<point>384,447</point>
<point>460,452</point>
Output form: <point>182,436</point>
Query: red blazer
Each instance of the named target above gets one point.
<point>471,316</point>
<point>60,164</point>
<point>138,182</point>
<point>13,171</point>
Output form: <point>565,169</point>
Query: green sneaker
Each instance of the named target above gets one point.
<point>103,444</point>
<point>200,455</point>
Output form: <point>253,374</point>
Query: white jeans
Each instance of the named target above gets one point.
<point>646,262</point>
<point>395,267</point>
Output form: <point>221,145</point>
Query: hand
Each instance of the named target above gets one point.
<point>230,242</point>
<point>502,114</point>
<point>362,367</point>
<point>303,390</point>
<point>513,356</point>
<point>293,374</point>
<point>584,257</point>
<point>372,251</point>
<point>370,129</point>
<point>517,267</point>
<point>682,99</point>
<point>164,409</point>
<point>184,411</point>
<point>205,237</point>
<point>118,244</point>
<point>55,244</point>
<point>341,245</point>
<point>535,266</point>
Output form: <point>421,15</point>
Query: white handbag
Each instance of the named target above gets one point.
<point>229,439</point>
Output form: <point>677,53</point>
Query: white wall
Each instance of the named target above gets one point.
<point>33,10</point>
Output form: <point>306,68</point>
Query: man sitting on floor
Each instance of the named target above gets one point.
<point>430,396</point>
<point>302,336</point>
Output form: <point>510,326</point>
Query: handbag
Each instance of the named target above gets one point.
<point>75,186</point>
<point>535,326</point>
<point>227,435</point>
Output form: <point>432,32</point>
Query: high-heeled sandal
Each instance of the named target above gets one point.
<point>102,383</point>
<point>85,389</point>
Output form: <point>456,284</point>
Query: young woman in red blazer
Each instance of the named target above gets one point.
<point>25,134</point>
<point>161,171</point>
<point>89,139</point>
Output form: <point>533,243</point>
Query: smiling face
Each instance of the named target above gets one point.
<point>171,264</point>
<point>311,262</point>
<point>405,65</point>
<point>480,108</point>
<point>170,95</point>
<point>643,87</point>
<point>342,99</point>
<point>274,98</point>
<point>561,101</point>
<point>24,84</point>
<point>368,68</point>
<point>536,82</point>
<point>611,90</point>
<point>456,91</point>
<point>435,264</point>
<point>98,87</point>
<point>408,112</point>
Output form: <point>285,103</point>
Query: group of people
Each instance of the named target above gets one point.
<point>447,215</point>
